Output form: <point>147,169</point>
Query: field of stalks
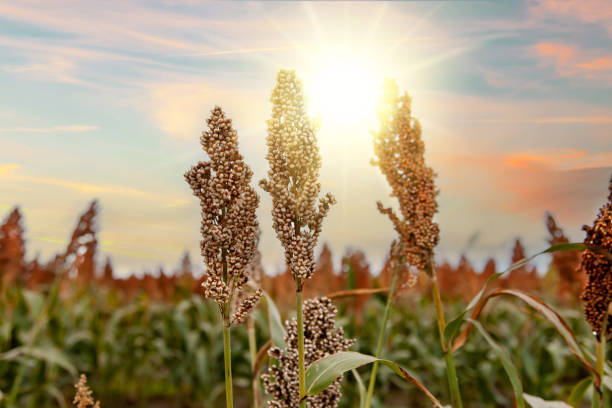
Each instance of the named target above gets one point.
<point>415,334</point>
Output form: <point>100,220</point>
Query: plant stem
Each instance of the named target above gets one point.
<point>451,372</point>
<point>227,359</point>
<point>600,397</point>
<point>300,323</point>
<point>381,336</point>
<point>253,354</point>
<point>40,321</point>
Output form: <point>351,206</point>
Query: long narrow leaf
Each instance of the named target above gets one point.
<point>361,388</point>
<point>453,326</point>
<point>324,371</point>
<point>277,331</point>
<point>509,367</point>
<point>579,391</point>
<point>541,307</point>
<point>356,292</point>
<point>537,402</point>
<point>51,355</point>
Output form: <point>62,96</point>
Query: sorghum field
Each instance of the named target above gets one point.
<point>486,123</point>
<point>233,336</point>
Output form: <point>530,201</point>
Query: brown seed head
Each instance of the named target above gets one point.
<point>321,339</point>
<point>399,152</point>
<point>294,160</point>
<point>597,292</point>
<point>228,204</point>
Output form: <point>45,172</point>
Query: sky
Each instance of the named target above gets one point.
<point>107,100</point>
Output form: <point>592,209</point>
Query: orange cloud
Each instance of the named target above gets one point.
<point>561,52</point>
<point>558,159</point>
<point>586,10</point>
<point>571,61</point>
<point>598,64</point>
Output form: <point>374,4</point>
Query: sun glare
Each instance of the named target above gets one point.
<point>343,87</point>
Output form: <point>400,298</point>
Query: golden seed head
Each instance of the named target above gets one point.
<point>83,397</point>
<point>294,161</point>
<point>399,152</point>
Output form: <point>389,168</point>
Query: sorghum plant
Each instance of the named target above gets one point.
<point>229,225</point>
<point>597,293</point>
<point>84,396</point>
<point>294,160</point>
<point>399,152</point>
<point>321,339</point>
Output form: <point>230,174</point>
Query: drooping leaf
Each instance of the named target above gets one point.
<point>578,392</point>
<point>537,402</point>
<point>355,292</point>
<point>361,388</point>
<point>57,394</point>
<point>51,355</point>
<point>453,327</point>
<point>540,306</point>
<point>324,371</point>
<point>277,330</point>
<point>608,382</point>
<point>507,363</point>
<point>260,358</point>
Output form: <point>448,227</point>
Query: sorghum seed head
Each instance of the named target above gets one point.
<point>597,292</point>
<point>294,160</point>
<point>321,339</point>
<point>399,152</point>
<point>83,397</point>
<point>246,305</point>
<point>228,203</point>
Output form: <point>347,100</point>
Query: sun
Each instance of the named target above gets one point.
<point>343,86</point>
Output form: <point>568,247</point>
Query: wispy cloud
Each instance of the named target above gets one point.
<point>51,129</point>
<point>7,168</point>
<point>599,11</point>
<point>549,120</point>
<point>571,61</point>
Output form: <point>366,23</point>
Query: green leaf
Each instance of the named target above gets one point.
<point>51,355</point>
<point>578,392</point>
<point>509,367</point>
<point>537,402</point>
<point>361,388</point>
<point>453,327</point>
<point>57,394</point>
<point>324,371</point>
<point>277,330</point>
<point>607,380</point>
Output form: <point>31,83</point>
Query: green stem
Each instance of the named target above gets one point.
<point>600,397</point>
<point>381,336</point>
<point>40,321</point>
<point>451,372</point>
<point>300,322</point>
<point>253,354</point>
<point>227,359</point>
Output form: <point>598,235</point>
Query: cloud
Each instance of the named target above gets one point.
<point>599,11</point>
<point>9,173</point>
<point>180,109</point>
<point>597,64</point>
<point>51,129</point>
<point>53,68</point>
<point>8,168</point>
<point>546,120</point>
<point>571,183</point>
<point>570,61</point>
